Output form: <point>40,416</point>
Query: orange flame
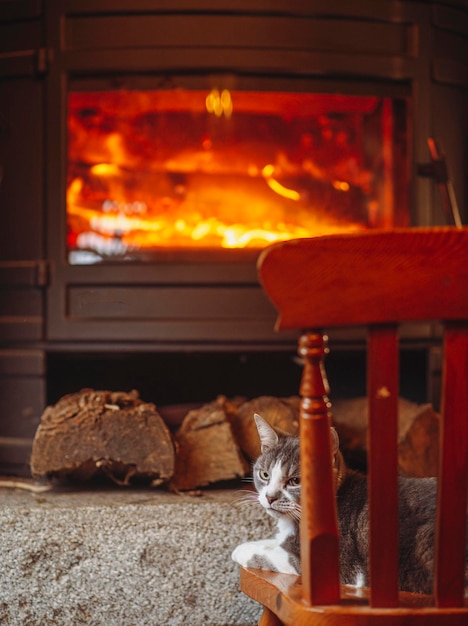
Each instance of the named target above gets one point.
<point>137,183</point>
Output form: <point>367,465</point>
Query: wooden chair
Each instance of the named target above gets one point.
<point>376,279</point>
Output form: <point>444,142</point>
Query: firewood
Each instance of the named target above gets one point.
<point>418,450</point>
<point>280,413</point>
<point>418,435</point>
<point>102,432</point>
<point>206,451</point>
<point>418,430</point>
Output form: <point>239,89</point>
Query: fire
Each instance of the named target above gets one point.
<point>198,170</point>
<point>134,226</point>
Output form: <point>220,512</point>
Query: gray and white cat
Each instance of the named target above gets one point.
<point>276,476</point>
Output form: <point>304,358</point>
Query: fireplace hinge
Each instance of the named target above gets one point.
<point>42,273</point>
<point>42,60</point>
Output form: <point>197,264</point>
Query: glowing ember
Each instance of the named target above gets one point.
<point>197,170</point>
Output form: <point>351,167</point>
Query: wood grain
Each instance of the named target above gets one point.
<point>453,473</point>
<point>382,390</point>
<point>319,527</point>
<point>282,595</point>
<point>396,275</point>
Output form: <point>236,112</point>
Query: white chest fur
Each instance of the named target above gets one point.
<point>286,528</point>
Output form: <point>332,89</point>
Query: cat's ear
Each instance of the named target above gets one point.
<point>335,441</point>
<point>268,436</point>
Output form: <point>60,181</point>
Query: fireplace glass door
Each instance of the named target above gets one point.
<point>207,172</point>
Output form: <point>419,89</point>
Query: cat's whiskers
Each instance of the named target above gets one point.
<point>295,513</point>
<point>289,508</point>
<point>246,497</point>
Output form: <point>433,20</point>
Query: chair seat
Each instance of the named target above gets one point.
<point>282,595</point>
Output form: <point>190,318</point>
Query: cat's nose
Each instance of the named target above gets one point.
<point>271,499</point>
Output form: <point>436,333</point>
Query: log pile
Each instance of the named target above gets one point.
<point>117,434</point>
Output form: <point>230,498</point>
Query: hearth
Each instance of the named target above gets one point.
<point>149,150</point>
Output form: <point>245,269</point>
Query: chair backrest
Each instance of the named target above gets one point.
<point>376,279</point>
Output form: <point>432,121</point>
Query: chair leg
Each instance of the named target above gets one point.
<point>269,619</point>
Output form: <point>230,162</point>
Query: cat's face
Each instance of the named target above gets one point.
<point>276,473</point>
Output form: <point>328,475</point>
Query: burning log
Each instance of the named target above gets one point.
<point>103,432</point>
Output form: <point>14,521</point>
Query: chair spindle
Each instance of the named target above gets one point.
<point>453,474</point>
<point>382,392</point>
<point>319,530</point>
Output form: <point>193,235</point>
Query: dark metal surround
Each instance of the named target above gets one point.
<point>416,49</point>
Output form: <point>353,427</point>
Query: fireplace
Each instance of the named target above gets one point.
<point>149,150</point>
<point>164,172</point>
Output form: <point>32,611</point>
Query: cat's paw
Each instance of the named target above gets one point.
<point>245,552</point>
<point>264,554</point>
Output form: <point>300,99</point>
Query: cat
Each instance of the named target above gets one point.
<point>276,475</point>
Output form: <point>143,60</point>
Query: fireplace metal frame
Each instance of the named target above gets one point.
<point>401,47</point>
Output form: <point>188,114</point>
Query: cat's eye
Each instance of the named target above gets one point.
<point>263,475</point>
<point>295,481</point>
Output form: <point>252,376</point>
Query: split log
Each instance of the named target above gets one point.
<point>206,450</point>
<point>418,435</point>
<point>418,451</point>
<point>282,414</point>
<point>103,432</point>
